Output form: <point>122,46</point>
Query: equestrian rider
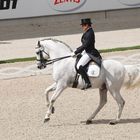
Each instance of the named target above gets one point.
<point>88,51</point>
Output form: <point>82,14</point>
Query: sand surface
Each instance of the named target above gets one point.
<point>23,108</point>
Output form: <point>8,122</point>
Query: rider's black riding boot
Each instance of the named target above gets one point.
<point>85,77</point>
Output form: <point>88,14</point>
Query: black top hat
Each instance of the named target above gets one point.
<point>86,21</point>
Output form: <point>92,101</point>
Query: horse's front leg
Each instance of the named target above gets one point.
<point>57,92</point>
<point>47,91</point>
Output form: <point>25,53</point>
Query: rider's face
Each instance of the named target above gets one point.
<point>85,27</point>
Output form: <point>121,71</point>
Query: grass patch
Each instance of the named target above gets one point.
<point>119,49</point>
<point>101,51</point>
<point>18,60</point>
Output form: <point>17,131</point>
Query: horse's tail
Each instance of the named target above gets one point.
<point>132,76</point>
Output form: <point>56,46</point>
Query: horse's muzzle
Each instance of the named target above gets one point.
<point>41,66</point>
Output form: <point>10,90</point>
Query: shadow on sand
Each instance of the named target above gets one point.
<point>122,121</point>
<point>103,121</point>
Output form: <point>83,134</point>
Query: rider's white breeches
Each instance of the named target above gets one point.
<point>83,60</point>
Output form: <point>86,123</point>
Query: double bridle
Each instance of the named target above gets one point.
<point>43,61</point>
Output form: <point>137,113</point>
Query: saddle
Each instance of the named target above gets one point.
<point>92,69</point>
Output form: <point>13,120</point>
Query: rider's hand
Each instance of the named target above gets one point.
<point>72,54</point>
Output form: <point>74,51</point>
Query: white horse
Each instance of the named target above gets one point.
<point>111,78</point>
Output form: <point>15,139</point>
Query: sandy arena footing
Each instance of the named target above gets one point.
<point>22,109</point>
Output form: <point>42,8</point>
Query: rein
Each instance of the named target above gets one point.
<point>48,62</point>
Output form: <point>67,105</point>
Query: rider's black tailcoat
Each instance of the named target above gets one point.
<point>88,44</point>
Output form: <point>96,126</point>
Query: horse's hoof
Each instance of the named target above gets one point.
<point>53,109</point>
<point>46,120</point>
<point>89,122</point>
<point>113,122</point>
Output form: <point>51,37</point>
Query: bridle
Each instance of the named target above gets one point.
<point>40,53</point>
<point>42,61</point>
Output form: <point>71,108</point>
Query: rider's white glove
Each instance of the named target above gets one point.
<point>72,54</point>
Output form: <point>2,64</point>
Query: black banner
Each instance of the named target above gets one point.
<point>7,4</point>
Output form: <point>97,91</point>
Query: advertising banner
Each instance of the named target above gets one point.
<point>10,9</point>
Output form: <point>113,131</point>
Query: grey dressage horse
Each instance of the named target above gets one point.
<point>113,75</point>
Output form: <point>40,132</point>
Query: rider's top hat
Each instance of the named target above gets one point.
<point>86,21</point>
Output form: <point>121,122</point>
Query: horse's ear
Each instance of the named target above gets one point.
<point>39,45</point>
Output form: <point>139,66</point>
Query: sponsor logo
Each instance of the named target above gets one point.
<point>130,2</point>
<point>8,4</point>
<point>66,5</point>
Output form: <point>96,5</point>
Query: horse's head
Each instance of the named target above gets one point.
<point>50,49</point>
<point>42,56</point>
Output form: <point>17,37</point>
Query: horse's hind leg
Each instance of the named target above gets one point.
<point>120,101</point>
<point>103,100</point>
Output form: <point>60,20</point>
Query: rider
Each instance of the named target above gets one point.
<point>88,51</point>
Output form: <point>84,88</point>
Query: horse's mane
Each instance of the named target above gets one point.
<point>56,40</point>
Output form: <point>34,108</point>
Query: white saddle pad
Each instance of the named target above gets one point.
<point>93,71</point>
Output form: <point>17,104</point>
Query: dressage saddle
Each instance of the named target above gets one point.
<point>86,71</point>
